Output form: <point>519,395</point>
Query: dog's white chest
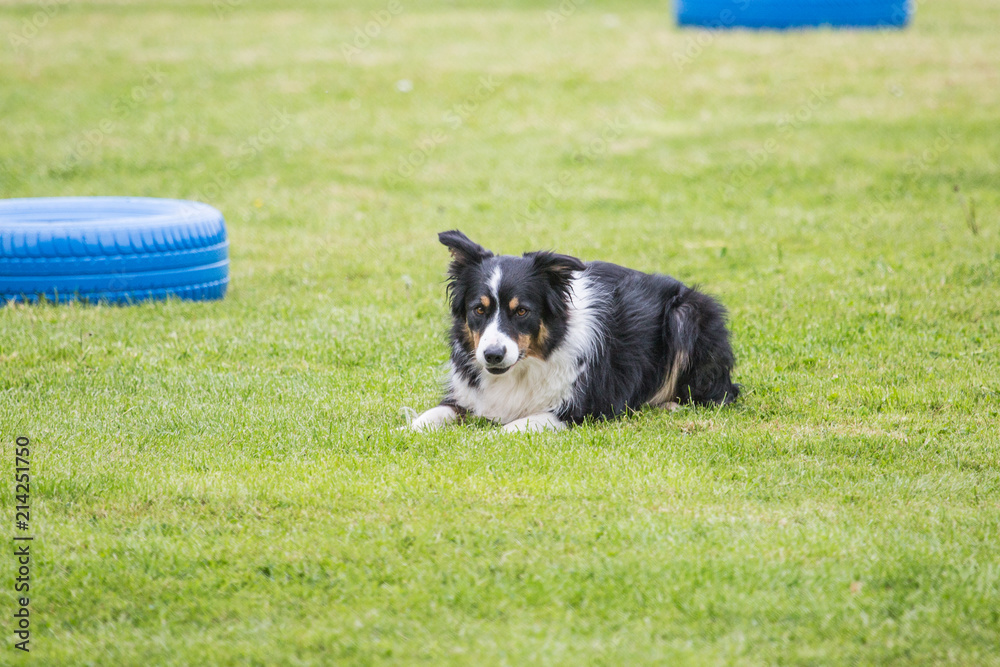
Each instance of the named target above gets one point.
<point>531,387</point>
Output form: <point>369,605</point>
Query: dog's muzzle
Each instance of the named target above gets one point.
<point>494,356</point>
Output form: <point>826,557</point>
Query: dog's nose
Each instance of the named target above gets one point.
<point>494,355</point>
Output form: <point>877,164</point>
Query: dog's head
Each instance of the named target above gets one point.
<point>507,308</point>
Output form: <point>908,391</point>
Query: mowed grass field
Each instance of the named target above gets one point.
<point>227,483</point>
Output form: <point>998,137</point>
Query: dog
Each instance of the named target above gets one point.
<point>545,340</point>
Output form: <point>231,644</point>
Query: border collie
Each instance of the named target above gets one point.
<point>545,340</point>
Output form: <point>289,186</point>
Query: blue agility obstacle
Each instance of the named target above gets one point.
<point>790,14</point>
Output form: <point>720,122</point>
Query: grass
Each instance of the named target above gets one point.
<point>224,483</point>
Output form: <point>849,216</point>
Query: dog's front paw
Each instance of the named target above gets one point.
<point>435,418</point>
<point>545,421</point>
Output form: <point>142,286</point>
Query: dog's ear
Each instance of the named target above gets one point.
<point>464,254</point>
<point>463,251</point>
<point>558,271</point>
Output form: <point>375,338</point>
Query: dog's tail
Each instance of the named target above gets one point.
<point>697,344</point>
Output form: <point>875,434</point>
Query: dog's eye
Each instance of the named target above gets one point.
<point>521,312</point>
<point>480,310</point>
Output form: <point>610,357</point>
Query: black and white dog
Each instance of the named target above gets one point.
<point>543,340</point>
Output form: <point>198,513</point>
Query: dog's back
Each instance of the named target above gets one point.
<point>661,342</point>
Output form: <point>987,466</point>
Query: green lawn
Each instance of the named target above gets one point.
<point>226,483</point>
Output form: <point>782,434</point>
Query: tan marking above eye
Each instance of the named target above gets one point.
<point>513,303</point>
<point>485,300</point>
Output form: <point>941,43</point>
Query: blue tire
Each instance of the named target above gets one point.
<point>111,250</point>
<point>785,14</point>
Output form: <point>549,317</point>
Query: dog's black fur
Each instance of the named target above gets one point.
<point>651,320</point>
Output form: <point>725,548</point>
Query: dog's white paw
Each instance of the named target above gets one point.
<point>434,418</point>
<point>545,421</point>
